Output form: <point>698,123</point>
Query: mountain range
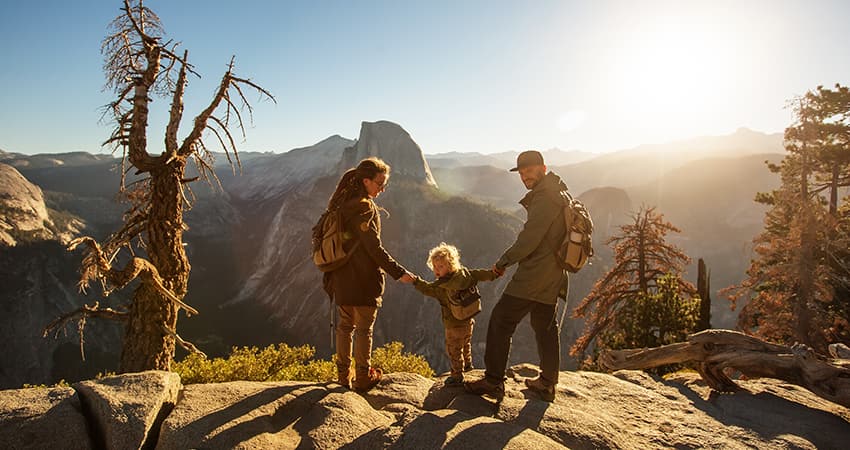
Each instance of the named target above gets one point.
<point>248,243</point>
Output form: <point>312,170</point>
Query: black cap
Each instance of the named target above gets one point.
<point>528,158</point>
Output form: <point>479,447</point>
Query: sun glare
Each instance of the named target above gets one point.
<point>670,75</point>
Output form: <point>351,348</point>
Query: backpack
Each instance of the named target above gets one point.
<point>465,303</point>
<point>577,247</point>
<point>328,236</point>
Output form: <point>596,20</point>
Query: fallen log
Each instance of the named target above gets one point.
<point>716,351</point>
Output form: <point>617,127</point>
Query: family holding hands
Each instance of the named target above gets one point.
<point>356,286</point>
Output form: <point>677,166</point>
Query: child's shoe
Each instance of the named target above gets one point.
<point>454,380</point>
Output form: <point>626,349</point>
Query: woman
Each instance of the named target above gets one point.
<point>358,285</point>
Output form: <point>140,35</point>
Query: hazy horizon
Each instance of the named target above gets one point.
<point>472,77</point>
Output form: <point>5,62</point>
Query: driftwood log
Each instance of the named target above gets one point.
<point>718,352</point>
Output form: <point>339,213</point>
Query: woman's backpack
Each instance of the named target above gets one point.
<point>577,246</point>
<point>465,303</point>
<point>329,235</point>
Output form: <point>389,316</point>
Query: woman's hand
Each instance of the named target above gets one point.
<point>407,278</point>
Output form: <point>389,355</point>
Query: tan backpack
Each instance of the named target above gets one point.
<point>328,237</point>
<point>577,246</point>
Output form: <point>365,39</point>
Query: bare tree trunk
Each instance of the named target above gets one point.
<point>804,290</point>
<point>833,190</point>
<point>717,351</point>
<point>703,290</point>
<point>146,345</point>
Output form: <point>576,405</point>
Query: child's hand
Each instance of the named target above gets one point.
<point>499,272</point>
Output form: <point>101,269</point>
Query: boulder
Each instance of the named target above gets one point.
<point>409,388</point>
<point>126,411</point>
<point>39,418</point>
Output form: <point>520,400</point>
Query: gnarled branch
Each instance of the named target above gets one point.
<point>718,350</point>
<point>83,312</point>
<point>185,344</point>
<point>98,266</point>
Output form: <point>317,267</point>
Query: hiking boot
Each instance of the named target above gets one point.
<point>543,388</point>
<point>368,381</point>
<point>344,379</point>
<point>487,387</point>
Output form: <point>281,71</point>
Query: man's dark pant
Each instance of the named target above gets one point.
<point>507,314</point>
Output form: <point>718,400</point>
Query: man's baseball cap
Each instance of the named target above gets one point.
<point>528,158</point>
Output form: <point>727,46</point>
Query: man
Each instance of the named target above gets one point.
<point>534,287</point>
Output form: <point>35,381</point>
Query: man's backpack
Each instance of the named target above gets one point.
<point>577,247</point>
<point>329,235</point>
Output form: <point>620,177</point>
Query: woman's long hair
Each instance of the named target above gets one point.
<point>351,185</point>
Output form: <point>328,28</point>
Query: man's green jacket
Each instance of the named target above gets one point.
<point>539,276</point>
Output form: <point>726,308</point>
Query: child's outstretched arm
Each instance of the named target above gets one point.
<point>425,287</point>
<point>483,274</point>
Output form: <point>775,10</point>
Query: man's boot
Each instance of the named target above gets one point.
<point>485,386</point>
<point>364,382</point>
<point>545,389</point>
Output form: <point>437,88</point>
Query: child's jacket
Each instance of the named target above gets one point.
<point>443,288</point>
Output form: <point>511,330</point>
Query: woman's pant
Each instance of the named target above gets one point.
<point>356,322</point>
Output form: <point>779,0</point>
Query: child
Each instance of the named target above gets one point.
<point>453,279</point>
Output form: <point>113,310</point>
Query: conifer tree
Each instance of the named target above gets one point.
<point>801,256</point>
<point>642,300</point>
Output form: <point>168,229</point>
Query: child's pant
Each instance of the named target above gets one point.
<point>459,347</point>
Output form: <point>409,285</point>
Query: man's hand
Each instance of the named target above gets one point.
<point>407,278</point>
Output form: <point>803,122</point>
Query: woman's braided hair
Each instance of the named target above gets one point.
<point>351,185</point>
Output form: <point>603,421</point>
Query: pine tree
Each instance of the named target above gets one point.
<point>642,300</point>
<point>801,256</point>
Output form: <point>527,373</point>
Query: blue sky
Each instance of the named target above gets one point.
<point>484,76</point>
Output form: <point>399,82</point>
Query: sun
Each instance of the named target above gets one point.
<point>670,75</point>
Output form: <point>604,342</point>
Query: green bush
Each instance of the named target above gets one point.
<point>284,363</point>
<point>273,363</point>
<point>391,358</point>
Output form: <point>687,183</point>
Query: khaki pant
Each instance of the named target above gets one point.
<point>459,347</point>
<point>359,321</point>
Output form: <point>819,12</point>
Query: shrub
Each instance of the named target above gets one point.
<point>284,363</point>
<point>390,358</point>
<point>273,363</point>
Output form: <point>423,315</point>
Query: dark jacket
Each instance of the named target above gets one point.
<point>360,281</point>
<point>539,277</point>
<point>443,288</point>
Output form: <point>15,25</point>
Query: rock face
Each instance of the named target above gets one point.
<point>629,410</point>
<point>24,215</point>
<point>389,141</point>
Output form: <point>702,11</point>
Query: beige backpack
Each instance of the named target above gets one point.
<point>577,246</point>
<point>328,237</point>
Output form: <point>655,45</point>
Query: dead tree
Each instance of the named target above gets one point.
<point>715,351</point>
<point>704,293</point>
<point>139,64</point>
